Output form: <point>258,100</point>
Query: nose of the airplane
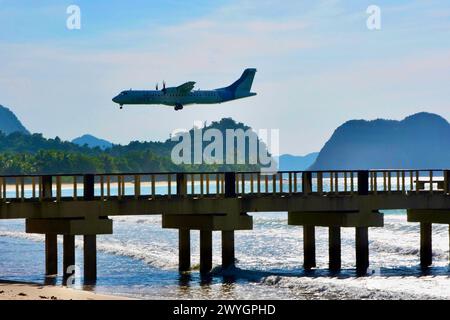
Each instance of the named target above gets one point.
<point>115,99</point>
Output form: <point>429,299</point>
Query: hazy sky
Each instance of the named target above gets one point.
<point>318,64</point>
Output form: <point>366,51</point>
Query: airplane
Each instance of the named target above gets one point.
<point>183,95</point>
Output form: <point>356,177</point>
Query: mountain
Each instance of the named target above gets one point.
<point>92,142</point>
<point>418,141</point>
<point>9,122</point>
<point>289,162</point>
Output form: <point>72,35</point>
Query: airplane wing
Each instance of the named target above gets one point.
<point>186,87</point>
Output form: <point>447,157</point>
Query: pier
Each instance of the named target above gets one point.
<point>83,204</point>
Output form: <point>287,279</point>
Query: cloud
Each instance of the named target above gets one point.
<point>408,72</point>
<point>215,43</point>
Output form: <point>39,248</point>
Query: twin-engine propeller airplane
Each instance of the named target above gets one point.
<point>183,95</point>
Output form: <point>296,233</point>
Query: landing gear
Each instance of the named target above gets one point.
<point>178,107</point>
<point>121,107</point>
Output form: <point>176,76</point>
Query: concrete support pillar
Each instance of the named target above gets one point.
<point>205,251</point>
<point>51,254</point>
<point>181,184</point>
<point>309,247</point>
<point>334,247</point>
<point>425,244</point>
<point>362,249</point>
<point>307,182</point>
<point>47,187</point>
<point>230,184</point>
<point>90,258</point>
<point>88,187</point>
<point>68,253</point>
<point>363,183</point>
<point>228,249</point>
<point>184,250</point>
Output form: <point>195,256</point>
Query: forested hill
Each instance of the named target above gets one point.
<point>22,153</point>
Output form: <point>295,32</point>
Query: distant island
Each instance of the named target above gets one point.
<point>288,162</point>
<point>418,141</point>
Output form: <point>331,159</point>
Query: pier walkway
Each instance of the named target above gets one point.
<point>83,204</point>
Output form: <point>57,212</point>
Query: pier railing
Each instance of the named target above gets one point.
<point>221,184</point>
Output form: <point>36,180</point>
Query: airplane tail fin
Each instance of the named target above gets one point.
<point>242,86</point>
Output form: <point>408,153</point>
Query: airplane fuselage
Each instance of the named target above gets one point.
<point>184,95</point>
<point>150,97</point>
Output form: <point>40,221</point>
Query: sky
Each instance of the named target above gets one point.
<point>318,64</point>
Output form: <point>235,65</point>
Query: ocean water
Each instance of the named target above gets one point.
<point>140,260</point>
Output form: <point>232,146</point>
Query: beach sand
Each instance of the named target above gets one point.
<point>31,291</point>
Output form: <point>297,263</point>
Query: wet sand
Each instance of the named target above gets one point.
<point>30,291</point>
